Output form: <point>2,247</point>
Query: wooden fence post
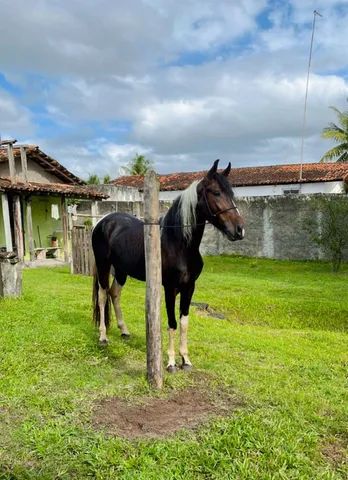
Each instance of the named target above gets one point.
<point>65,229</point>
<point>24,163</point>
<point>11,162</point>
<point>18,226</point>
<point>30,229</point>
<point>152,243</point>
<point>7,223</point>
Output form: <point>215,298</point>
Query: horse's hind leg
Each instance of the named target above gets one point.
<point>185,300</point>
<point>115,294</point>
<point>102,300</point>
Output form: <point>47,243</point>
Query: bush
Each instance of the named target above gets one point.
<point>329,229</point>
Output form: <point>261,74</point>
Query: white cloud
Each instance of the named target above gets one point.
<point>239,115</point>
<point>97,69</point>
<point>14,119</point>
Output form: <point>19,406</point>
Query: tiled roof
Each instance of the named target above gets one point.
<point>45,161</point>
<point>75,191</point>
<point>250,176</point>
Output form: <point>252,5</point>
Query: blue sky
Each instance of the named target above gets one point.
<point>183,82</point>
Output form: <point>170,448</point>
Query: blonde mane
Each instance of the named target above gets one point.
<point>187,207</point>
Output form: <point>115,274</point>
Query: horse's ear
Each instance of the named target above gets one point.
<point>227,170</point>
<point>213,169</point>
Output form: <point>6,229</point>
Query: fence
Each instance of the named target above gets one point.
<point>82,253</point>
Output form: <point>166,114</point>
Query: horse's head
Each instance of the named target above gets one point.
<point>215,198</point>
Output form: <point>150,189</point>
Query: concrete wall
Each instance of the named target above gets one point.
<point>274,227</point>
<point>106,206</point>
<point>121,194</point>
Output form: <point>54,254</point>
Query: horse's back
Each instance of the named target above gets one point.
<point>118,238</point>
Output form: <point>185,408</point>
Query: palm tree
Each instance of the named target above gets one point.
<point>139,165</point>
<point>106,179</point>
<point>93,179</point>
<point>340,135</point>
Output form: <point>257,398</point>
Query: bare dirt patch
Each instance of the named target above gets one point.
<point>335,450</point>
<point>161,417</point>
<point>204,309</point>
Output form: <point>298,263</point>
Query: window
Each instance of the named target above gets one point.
<point>291,191</point>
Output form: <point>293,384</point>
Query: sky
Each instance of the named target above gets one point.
<point>182,82</point>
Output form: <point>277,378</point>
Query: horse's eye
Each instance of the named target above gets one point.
<point>216,194</point>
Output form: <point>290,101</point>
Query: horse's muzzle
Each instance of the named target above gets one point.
<point>237,234</point>
<point>240,232</point>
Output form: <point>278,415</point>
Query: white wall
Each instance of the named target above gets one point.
<point>121,194</point>
<point>270,190</point>
<point>304,189</point>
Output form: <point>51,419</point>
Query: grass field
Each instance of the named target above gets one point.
<point>282,349</point>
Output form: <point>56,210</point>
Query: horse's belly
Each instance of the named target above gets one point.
<point>138,275</point>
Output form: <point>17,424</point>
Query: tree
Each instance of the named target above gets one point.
<point>139,165</point>
<point>106,179</point>
<point>93,179</point>
<point>328,227</point>
<point>338,133</point>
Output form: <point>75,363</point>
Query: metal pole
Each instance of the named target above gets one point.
<point>315,13</point>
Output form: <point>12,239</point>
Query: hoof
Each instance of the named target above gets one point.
<point>172,369</point>
<point>186,367</point>
<point>125,336</point>
<point>103,343</point>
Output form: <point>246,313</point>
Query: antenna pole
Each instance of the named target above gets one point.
<point>315,14</point>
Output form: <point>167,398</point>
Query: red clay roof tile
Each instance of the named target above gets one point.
<point>250,176</point>
<point>75,191</point>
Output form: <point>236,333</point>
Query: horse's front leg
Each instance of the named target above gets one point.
<point>170,295</point>
<point>185,301</point>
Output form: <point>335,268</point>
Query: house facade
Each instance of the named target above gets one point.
<point>35,190</point>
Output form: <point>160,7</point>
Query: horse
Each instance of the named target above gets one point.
<point>118,246</point>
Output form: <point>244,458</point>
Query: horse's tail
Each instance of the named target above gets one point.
<point>95,301</point>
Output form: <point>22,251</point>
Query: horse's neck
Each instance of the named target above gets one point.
<point>173,233</point>
<point>197,231</point>
<point>194,241</point>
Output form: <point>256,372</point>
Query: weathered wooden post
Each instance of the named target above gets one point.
<point>152,243</point>
<point>18,226</point>
<point>10,275</point>
<point>30,229</point>
<point>7,222</point>
<point>24,163</point>
<point>11,160</point>
<point>65,230</point>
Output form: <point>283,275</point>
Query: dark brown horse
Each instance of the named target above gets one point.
<point>118,245</point>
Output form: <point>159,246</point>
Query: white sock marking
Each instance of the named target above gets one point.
<point>115,293</point>
<point>102,298</point>
<point>183,339</point>
<point>171,347</point>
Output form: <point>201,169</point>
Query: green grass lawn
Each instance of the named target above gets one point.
<point>282,349</point>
